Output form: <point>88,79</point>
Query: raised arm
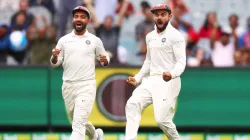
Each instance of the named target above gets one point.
<point>57,55</point>
<point>122,13</point>
<point>89,5</point>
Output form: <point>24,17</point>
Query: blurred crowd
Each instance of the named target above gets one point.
<point>29,29</point>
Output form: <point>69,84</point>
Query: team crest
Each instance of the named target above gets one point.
<point>87,42</point>
<point>163,40</point>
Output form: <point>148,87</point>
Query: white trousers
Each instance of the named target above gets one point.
<point>79,98</point>
<point>163,95</point>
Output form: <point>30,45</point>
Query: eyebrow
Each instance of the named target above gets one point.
<point>80,15</point>
<point>161,13</point>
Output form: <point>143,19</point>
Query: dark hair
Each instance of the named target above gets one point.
<point>145,4</point>
<point>233,15</point>
<point>225,34</point>
<point>109,16</point>
<point>205,25</point>
<point>21,13</point>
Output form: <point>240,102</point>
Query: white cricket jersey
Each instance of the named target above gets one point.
<point>166,52</point>
<point>77,56</point>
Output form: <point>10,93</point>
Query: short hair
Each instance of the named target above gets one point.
<point>233,15</point>
<point>145,4</point>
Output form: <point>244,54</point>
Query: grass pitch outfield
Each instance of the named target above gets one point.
<point>120,136</point>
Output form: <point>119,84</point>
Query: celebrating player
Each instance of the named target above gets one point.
<point>76,52</point>
<point>159,76</point>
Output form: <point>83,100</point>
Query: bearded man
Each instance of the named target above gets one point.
<point>77,52</point>
<point>159,76</point>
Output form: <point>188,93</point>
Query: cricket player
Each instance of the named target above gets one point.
<point>76,52</point>
<point>159,76</point>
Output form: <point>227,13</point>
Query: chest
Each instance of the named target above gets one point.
<point>224,49</point>
<point>160,43</point>
<point>111,34</point>
<point>79,46</point>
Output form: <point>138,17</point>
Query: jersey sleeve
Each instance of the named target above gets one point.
<point>100,50</point>
<point>61,54</point>
<point>179,50</point>
<point>145,70</point>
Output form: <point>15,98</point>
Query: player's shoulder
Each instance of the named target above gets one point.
<point>90,35</point>
<point>94,37</point>
<point>65,37</point>
<point>150,34</point>
<point>176,35</point>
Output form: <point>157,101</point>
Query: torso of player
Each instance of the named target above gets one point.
<point>79,50</point>
<point>161,51</point>
<point>79,57</point>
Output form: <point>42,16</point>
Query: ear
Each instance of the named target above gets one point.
<point>89,20</point>
<point>170,16</point>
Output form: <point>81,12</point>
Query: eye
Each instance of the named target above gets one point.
<point>164,14</point>
<point>83,17</point>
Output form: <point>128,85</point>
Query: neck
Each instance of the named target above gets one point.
<point>79,33</point>
<point>158,31</point>
<point>233,26</point>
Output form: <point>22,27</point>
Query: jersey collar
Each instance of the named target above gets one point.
<point>166,30</point>
<point>84,35</point>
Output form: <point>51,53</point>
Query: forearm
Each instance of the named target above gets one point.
<point>186,24</point>
<point>144,72</point>
<point>178,68</point>
<point>93,14</point>
<point>122,12</point>
<point>55,61</point>
<point>180,55</point>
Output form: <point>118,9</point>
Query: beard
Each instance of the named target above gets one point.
<point>79,27</point>
<point>161,26</point>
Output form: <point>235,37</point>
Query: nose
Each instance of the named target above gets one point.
<point>78,18</point>
<point>159,17</point>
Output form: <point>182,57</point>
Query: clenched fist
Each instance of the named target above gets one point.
<point>132,81</point>
<point>103,59</point>
<point>56,52</point>
<point>166,76</point>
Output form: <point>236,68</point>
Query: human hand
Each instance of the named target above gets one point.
<point>132,81</point>
<point>55,52</point>
<point>103,59</point>
<point>166,76</point>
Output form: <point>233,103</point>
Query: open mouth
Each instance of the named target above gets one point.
<point>78,25</point>
<point>160,24</point>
